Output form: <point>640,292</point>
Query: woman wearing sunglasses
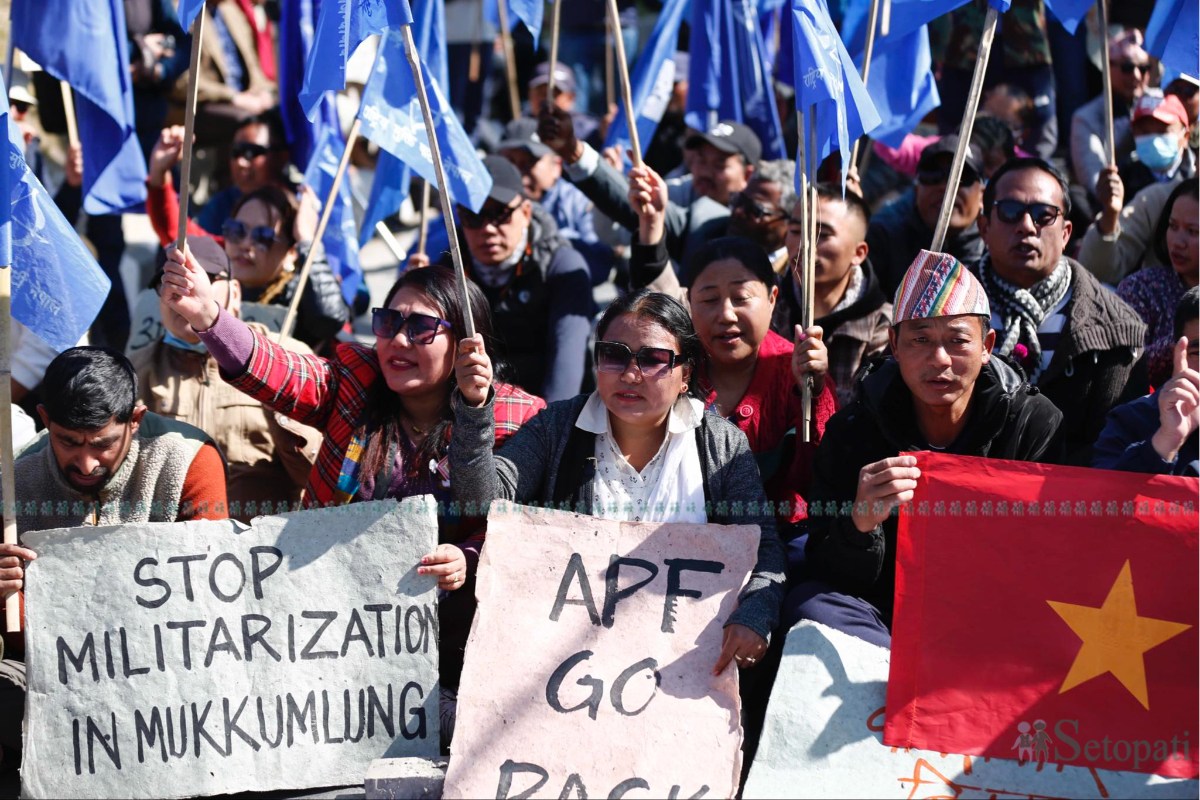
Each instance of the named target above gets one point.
<point>385,410</point>
<point>266,240</point>
<point>640,447</point>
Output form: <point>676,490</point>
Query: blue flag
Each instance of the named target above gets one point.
<point>84,43</point>
<point>341,235</point>
<point>392,176</point>
<point>1069,12</point>
<point>57,286</point>
<point>188,11</point>
<point>526,11</point>
<point>826,78</point>
<point>297,24</point>
<point>901,83</point>
<point>1172,38</point>
<point>653,79</point>
<point>341,27</point>
<point>391,117</point>
<point>728,77</point>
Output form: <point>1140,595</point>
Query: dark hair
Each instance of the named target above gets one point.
<point>852,200</point>
<point>746,252</point>
<point>86,388</point>
<point>1182,88</point>
<point>1186,310</point>
<point>989,132</point>
<point>1189,186</point>
<point>284,202</point>
<point>273,122</point>
<point>667,312</point>
<point>383,422</point>
<point>1023,163</point>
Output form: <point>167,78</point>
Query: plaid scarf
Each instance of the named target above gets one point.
<point>1024,310</point>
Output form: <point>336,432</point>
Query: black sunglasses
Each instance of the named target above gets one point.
<point>475,221</point>
<point>1013,211</point>
<point>236,232</point>
<point>739,201</point>
<point>247,150</point>
<point>419,328</point>
<point>1129,67</point>
<point>19,106</point>
<point>939,177</point>
<point>653,362</point>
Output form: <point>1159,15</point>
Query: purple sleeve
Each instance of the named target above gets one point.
<point>230,341</point>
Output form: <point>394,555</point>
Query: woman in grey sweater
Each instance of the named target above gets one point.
<point>639,448</point>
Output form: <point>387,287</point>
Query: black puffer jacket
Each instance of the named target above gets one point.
<point>1008,419</point>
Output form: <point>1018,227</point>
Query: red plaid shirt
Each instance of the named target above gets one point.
<point>332,395</point>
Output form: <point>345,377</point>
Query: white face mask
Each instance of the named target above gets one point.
<point>1158,151</point>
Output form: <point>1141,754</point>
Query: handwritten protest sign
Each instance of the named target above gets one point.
<point>824,738</point>
<point>589,667</point>
<point>173,660</point>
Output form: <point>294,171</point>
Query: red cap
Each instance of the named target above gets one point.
<point>1167,109</point>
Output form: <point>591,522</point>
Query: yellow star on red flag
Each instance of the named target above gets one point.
<point>1115,639</point>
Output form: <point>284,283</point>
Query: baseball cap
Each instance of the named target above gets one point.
<point>730,137</point>
<point>564,77</point>
<point>1166,109</point>
<point>208,254</point>
<point>507,184</point>
<point>948,145</point>
<point>521,134</point>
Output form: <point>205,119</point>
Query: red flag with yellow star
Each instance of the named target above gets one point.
<point>1047,614</point>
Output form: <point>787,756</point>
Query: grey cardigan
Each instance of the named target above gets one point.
<point>526,468</point>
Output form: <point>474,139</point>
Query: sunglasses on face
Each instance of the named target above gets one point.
<point>1014,211</point>
<point>247,150</point>
<point>1129,67</point>
<point>752,208</point>
<point>940,177</point>
<point>19,107</point>
<point>475,221</point>
<point>419,328</point>
<point>236,232</point>
<point>653,362</point>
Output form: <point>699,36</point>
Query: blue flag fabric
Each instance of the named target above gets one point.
<point>1069,12</point>
<point>341,27</point>
<point>57,286</point>
<point>910,15</point>
<point>825,77</point>
<point>297,25</point>
<point>188,11</point>
<point>341,235</point>
<point>528,12</point>
<point>392,176</point>
<point>1172,35</point>
<point>653,79</point>
<point>391,117</point>
<point>728,76</point>
<point>901,83</point>
<point>84,43</point>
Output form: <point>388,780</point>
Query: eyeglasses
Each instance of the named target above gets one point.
<point>1130,67</point>
<point>236,232</point>
<point>475,221</point>
<point>419,328</point>
<point>247,150</point>
<point>1013,211</point>
<point>940,177</point>
<point>653,362</point>
<point>739,201</point>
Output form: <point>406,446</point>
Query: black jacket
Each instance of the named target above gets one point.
<point>1008,419</point>
<point>896,235</point>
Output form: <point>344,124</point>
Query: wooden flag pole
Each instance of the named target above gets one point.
<point>289,321</point>
<point>423,231</point>
<point>8,484</point>
<point>801,264</point>
<point>510,58</point>
<point>439,170</point>
<point>810,265</point>
<point>626,93</point>
<point>964,133</point>
<point>610,89</point>
<point>557,4</point>
<point>189,131</point>
<point>865,72</point>
<point>1110,142</point>
<point>68,98</point>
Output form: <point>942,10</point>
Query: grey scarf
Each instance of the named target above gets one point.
<point>1024,310</point>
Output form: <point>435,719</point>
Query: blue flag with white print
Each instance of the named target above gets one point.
<point>826,78</point>
<point>393,177</point>
<point>728,77</point>
<point>391,118</point>
<point>341,234</point>
<point>529,12</point>
<point>653,79</point>
<point>1173,35</point>
<point>341,27</point>
<point>84,43</point>
<point>57,286</point>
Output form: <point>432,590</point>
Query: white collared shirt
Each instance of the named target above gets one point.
<point>670,488</point>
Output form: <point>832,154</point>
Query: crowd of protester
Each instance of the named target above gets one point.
<point>1064,331</point>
